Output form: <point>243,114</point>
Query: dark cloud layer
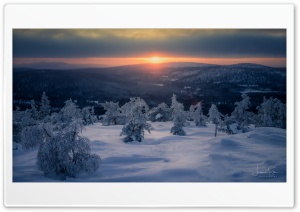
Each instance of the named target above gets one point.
<point>53,43</point>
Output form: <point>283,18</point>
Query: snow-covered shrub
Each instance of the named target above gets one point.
<point>214,116</point>
<point>240,115</point>
<point>271,113</point>
<point>112,115</point>
<point>136,120</point>
<point>88,115</point>
<point>178,117</point>
<point>61,149</point>
<point>160,113</point>
<point>197,115</point>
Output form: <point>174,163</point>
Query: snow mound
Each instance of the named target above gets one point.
<point>268,135</point>
<point>227,143</point>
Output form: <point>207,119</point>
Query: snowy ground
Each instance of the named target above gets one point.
<point>257,156</point>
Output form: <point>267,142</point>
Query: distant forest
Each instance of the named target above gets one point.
<point>211,84</point>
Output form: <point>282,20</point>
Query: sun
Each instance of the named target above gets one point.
<point>155,59</point>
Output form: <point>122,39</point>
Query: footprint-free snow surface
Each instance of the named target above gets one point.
<point>256,156</point>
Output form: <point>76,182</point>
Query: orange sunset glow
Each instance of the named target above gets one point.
<point>110,62</point>
<point>117,47</point>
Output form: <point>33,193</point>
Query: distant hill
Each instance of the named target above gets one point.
<point>192,82</point>
<point>50,65</point>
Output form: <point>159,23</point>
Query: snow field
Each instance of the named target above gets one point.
<point>256,156</point>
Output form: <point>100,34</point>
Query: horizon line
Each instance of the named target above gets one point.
<point>82,66</point>
<point>153,59</point>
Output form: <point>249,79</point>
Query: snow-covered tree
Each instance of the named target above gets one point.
<point>136,120</point>
<point>61,148</point>
<point>112,115</point>
<point>45,108</point>
<point>240,115</point>
<point>29,117</point>
<point>88,115</point>
<point>226,125</point>
<point>65,116</point>
<point>17,128</point>
<point>66,153</point>
<point>22,119</point>
<point>271,113</point>
<point>36,135</point>
<point>190,113</point>
<point>33,110</point>
<point>214,116</point>
<point>18,125</point>
<point>197,115</point>
<point>160,113</point>
<point>178,117</point>
<point>126,110</point>
<point>68,113</point>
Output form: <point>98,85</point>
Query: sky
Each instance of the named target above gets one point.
<point>58,48</point>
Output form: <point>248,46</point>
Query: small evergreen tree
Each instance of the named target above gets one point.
<point>33,110</point>
<point>178,116</point>
<point>126,111</point>
<point>241,115</point>
<point>88,115</point>
<point>190,114</point>
<point>68,113</point>
<point>112,115</point>
<point>214,116</point>
<point>271,113</point>
<point>136,120</point>
<point>45,108</point>
<point>160,113</point>
<point>197,115</point>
